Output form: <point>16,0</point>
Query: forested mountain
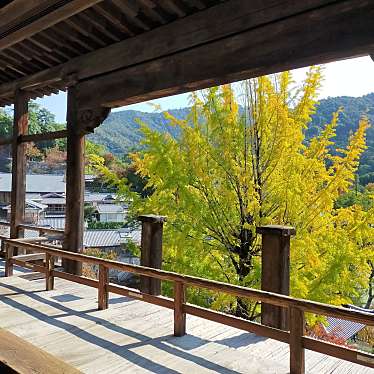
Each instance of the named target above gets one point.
<point>120,133</point>
<point>353,108</point>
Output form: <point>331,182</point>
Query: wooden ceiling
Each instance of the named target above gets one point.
<point>119,52</point>
<point>41,34</point>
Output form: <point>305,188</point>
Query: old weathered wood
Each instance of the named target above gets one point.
<point>9,249</point>
<point>275,271</point>
<point>344,353</point>
<point>31,257</point>
<point>103,287</point>
<point>129,336</point>
<point>297,352</point>
<point>151,251</point>
<point>79,123</point>
<point>23,357</point>
<point>18,11</point>
<point>6,140</point>
<point>43,137</point>
<point>238,323</point>
<point>49,267</point>
<point>297,307</point>
<point>18,193</point>
<point>42,229</point>
<point>76,278</point>
<point>48,20</point>
<point>263,296</point>
<point>230,18</point>
<point>136,295</point>
<point>246,54</point>
<point>74,222</point>
<point>179,313</point>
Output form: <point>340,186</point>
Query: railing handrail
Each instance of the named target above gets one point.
<point>239,291</point>
<point>41,229</point>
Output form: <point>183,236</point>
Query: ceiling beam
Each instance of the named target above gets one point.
<point>50,19</point>
<point>19,10</point>
<point>229,18</point>
<point>339,31</point>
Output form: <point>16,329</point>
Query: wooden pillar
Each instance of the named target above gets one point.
<point>275,271</point>
<point>74,221</point>
<point>80,121</point>
<point>151,251</point>
<point>20,127</point>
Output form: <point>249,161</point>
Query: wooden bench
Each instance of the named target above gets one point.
<point>19,356</point>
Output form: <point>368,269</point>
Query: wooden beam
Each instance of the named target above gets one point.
<point>18,193</point>
<point>6,141</point>
<point>69,9</point>
<point>229,18</point>
<point>43,137</point>
<point>19,10</point>
<point>331,33</point>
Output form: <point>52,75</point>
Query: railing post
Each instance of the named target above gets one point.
<point>151,251</point>
<point>179,315</point>
<point>297,352</point>
<point>275,271</point>
<point>49,267</point>
<point>9,250</point>
<point>103,287</point>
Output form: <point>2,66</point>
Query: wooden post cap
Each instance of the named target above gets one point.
<point>152,218</point>
<point>276,230</point>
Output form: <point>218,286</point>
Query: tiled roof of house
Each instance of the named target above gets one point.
<point>53,222</point>
<point>35,183</point>
<point>345,329</point>
<point>101,238</point>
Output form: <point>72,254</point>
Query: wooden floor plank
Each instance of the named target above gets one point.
<point>136,337</point>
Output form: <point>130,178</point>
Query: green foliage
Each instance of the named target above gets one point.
<point>6,123</point>
<point>121,132</point>
<point>104,225</point>
<point>230,171</point>
<point>364,198</point>
<point>353,109</point>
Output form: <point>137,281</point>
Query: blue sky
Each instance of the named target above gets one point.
<point>353,77</point>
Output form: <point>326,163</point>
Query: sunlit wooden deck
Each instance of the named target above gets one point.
<point>135,337</point>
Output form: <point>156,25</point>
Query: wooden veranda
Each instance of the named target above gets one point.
<point>109,53</point>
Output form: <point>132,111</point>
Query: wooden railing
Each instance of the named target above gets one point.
<point>297,308</point>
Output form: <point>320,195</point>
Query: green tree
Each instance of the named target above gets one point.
<point>232,170</point>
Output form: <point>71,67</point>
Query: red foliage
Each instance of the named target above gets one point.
<point>319,332</point>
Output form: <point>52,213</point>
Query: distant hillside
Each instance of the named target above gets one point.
<point>120,132</point>
<point>353,109</point>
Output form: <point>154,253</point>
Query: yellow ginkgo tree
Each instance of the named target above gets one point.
<point>241,160</point>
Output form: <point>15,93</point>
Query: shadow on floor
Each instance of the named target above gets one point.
<point>123,351</point>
